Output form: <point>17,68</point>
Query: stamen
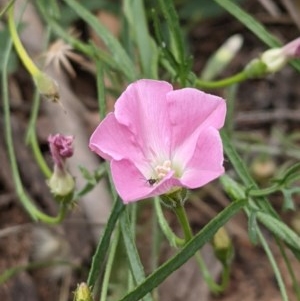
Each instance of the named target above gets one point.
<point>163,170</point>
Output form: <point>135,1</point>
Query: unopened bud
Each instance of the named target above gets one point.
<point>46,86</point>
<point>263,169</point>
<point>61,183</point>
<point>83,293</point>
<point>292,49</point>
<point>274,59</point>
<point>61,148</point>
<point>222,246</point>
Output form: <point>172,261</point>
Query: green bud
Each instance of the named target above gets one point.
<point>46,86</point>
<point>83,293</point>
<point>61,182</point>
<point>263,168</point>
<point>274,59</point>
<point>222,246</point>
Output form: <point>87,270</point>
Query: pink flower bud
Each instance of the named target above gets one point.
<point>276,58</point>
<point>60,148</point>
<point>292,49</point>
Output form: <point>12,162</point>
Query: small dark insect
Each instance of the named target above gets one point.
<point>152,181</point>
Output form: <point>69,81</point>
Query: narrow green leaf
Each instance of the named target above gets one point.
<point>280,229</point>
<point>135,14</point>
<point>252,227</point>
<point>243,173</point>
<point>196,243</point>
<point>176,39</point>
<point>288,202</point>
<point>118,52</point>
<point>169,12</point>
<point>132,253</point>
<point>102,248</point>
<point>253,25</point>
<point>235,191</point>
<point>274,265</point>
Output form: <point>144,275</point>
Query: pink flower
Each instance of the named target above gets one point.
<point>159,139</point>
<point>60,148</point>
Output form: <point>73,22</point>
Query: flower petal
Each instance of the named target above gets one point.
<point>192,110</point>
<point>131,184</point>
<point>143,109</point>
<point>207,162</point>
<point>112,140</point>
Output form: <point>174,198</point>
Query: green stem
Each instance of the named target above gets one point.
<point>109,265</point>
<point>6,8</point>
<point>188,235</point>
<point>274,265</point>
<point>243,173</point>
<point>295,282</point>
<point>28,63</point>
<point>31,138</point>
<point>155,248</point>
<point>174,240</point>
<point>263,192</point>
<point>39,156</point>
<point>184,222</point>
<point>225,277</point>
<point>9,273</point>
<point>188,251</point>
<point>237,78</point>
<point>34,212</point>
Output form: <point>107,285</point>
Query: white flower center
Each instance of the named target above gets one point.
<point>162,170</point>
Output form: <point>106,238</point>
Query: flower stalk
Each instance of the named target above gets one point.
<point>175,201</point>
<point>188,235</point>
<point>25,200</point>
<point>270,61</point>
<point>26,60</point>
<point>45,85</point>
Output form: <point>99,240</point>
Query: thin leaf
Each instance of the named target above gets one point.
<point>243,173</point>
<point>135,13</point>
<point>274,265</point>
<point>252,227</point>
<point>132,253</point>
<point>176,39</point>
<point>253,25</point>
<point>280,229</point>
<point>196,243</point>
<point>118,52</point>
<point>104,242</point>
